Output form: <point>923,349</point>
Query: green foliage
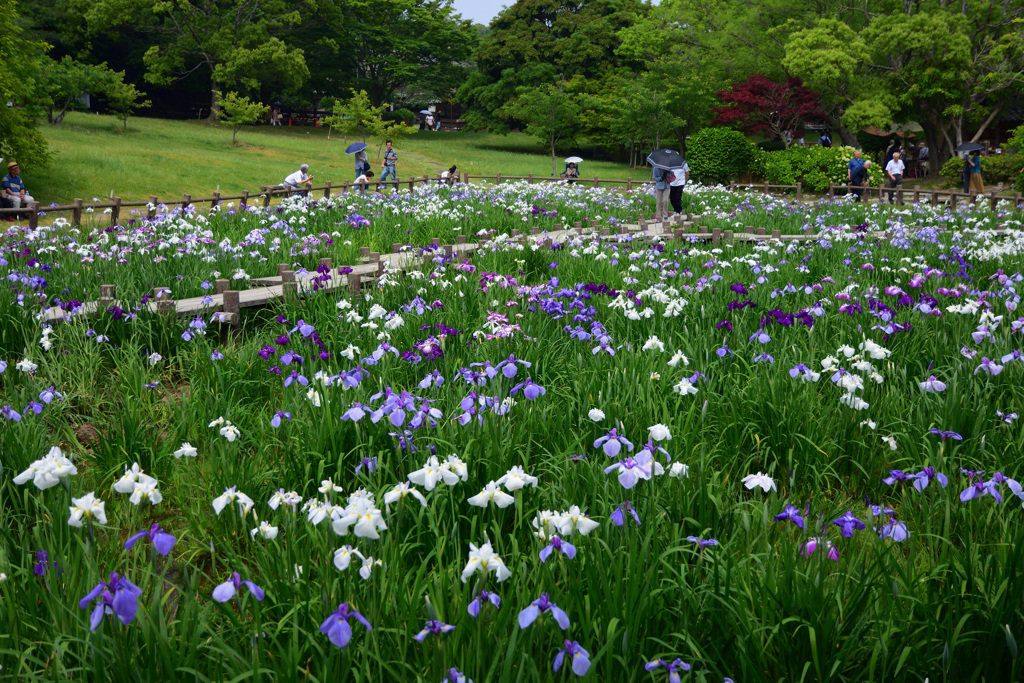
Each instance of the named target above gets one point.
<point>997,168</point>
<point>406,116</point>
<point>356,116</point>
<point>815,167</point>
<point>123,98</point>
<point>240,111</point>
<point>19,139</point>
<point>551,113</point>
<point>61,84</point>
<point>718,155</point>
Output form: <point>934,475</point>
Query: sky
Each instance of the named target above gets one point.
<point>480,11</point>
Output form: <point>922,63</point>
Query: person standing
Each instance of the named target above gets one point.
<point>14,187</point>
<point>362,163</point>
<point>894,170</point>
<point>675,193</point>
<point>851,169</point>
<point>893,148</point>
<point>661,190</point>
<point>825,140</point>
<point>857,172</point>
<point>390,160</point>
<point>975,184</point>
<point>922,159</point>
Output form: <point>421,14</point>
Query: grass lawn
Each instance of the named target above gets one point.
<point>93,156</point>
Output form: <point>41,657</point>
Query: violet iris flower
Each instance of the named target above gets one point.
<point>296,377</point>
<point>895,476</point>
<point>980,488</point>
<point>556,543</point>
<point>540,606</point>
<point>369,463</point>
<point>453,675</point>
<point>42,563</point>
<point>991,367</point>
<point>480,600</point>
<point>673,668</point>
<point>924,477</point>
<point>897,531</point>
<point>946,435</point>
<point>612,443</point>
<point>233,586</point>
<point>118,596</point>
<point>579,657</point>
<point>619,516</point>
<point>162,541</point>
<point>433,626</point>
<point>337,628</point>
<point>812,545</point>
<point>847,524</point>
<point>275,422</point>
<point>702,542</point>
<point>531,389</point>
<point>791,514</point>
<point>631,470</point>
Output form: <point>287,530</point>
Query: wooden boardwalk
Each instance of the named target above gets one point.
<point>224,304</point>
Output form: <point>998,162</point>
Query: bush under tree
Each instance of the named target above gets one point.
<point>718,155</point>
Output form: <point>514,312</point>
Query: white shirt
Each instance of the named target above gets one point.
<point>296,179</point>
<point>895,167</point>
<point>363,179</point>
<point>680,174</point>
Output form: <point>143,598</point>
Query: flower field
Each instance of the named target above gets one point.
<point>618,458</point>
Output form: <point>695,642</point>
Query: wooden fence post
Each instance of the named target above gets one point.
<point>108,293</point>
<point>799,191</point>
<point>76,215</point>
<point>33,217</point>
<point>531,179</point>
<point>115,212</point>
<point>732,185</point>
<point>917,196</point>
<point>245,198</point>
<point>497,179</point>
<point>994,200</point>
<point>281,268</point>
<point>289,286</point>
<point>327,190</point>
<point>934,198</point>
<point>716,235</point>
<point>595,182</point>
<point>216,199</point>
<point>831,190</point>
<point>186,201</point>
<point>266,196</point>
<point>221,286</point>
<point>232,307</point>
<point>153,202</point>
<point>629,184</point>
<point>396,248</point>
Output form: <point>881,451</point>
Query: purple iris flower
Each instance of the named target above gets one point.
<point>847,524</point>
<point>897,531</point>
<point>632,469</point>
<point>233,586</point>
<point>10,414</point>
<point>48,395</point>
<point>540,606</point>
<point>216,355</point>
<point>946,435</point>
<point>726,324</point>
<point>161,540</point>
<point>369,463</point>
<point>812,545</point>
<point>433,626</point>
<point>980,488</point>
<point>35,406</point>
<point>991,367</point>
<point>760,336</point>
<point>702,542</point>
<point>924,477</point>
<point>673,668</point>
<point>724,350</point>
<point>612,442</point>
<point>895,476</point>
<point>763,358</point>
<point>508,366</point>
<point>118,596</point>
<point>295,377</point>
<point>556,543</point>
<point>481,600</point>
<point>453,675</point>
<point>619,516</point>
<point>579,658</point>
<point>42,563</point>
<point>531,390</point>
<point>290,357</point>
<point>337,628</point>
<point>1008,418</point>
<point>791,514</point>
<point>275,421</point>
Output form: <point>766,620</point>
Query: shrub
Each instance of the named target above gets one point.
<point>404,115</point>
<point>718,155</point>
<point>816,167</point>
<point>998,168</point>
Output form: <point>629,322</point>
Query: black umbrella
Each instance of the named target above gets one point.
<point>665,159</point>
<point>970,147</point>
<point>355,147</point>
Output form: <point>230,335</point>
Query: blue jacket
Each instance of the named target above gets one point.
<point>658,175</point>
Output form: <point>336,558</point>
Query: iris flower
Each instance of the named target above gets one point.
<point>337,628</point>
<point>619,516</point>
<point>484,560</point>
<point>556,543</point>
<point>540,606</point>
<point>433,626</point>
<point>233,586</point>
<point>118,596</point>
<point>612,443</point>
<point>791,514</point>
<point>847,524</point>
<point>162,541</point>
<point>481,600</point>
<point>579,658</point>
<point>924,477</point>
<point>673,668</point>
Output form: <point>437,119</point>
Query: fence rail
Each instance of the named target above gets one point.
<point>933,196</point>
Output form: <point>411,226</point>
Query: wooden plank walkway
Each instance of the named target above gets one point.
<point>225,304</point>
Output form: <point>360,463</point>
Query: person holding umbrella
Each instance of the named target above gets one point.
<point>662,161</point>
<point>362,163</point>
<point>974,183</point>
<point>680,175</point>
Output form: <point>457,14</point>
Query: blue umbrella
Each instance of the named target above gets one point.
<point>355,147</point>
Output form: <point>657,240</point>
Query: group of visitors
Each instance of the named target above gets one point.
<point>895,169</point>
<point>296,181</point>
<point>430,121</point>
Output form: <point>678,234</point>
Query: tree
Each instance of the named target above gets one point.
<point>356,116</point>
<point>61,85</point>
<point>551,112</point>
<point>236,42</point>
<point>123,98</point>
<point>759,105</point>
<point>239,111</point>
<point>19,139</point>
<point>534,43</point>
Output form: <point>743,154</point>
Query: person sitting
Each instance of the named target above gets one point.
<point>294,181</point>
<point>571,171</point>
<point>13,188</point>
<point>449,176</point>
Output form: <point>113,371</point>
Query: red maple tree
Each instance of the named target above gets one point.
<point>759,105</point>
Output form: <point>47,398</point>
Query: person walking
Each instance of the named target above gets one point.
<point>661,191</point>
<point>675,193</point>
<point>390,160</point>
<point>922,159</point>
<point>975,184</point>
<point>894,170</point>
<point>858,179</point>
<point>853,169</point>
<point>825,140</point>
<point>893,148</point>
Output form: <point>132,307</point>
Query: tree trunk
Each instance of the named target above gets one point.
<point>554,168</point>
<point>215,108</point>
<point>848,137</point>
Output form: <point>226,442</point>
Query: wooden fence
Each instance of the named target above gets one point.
<point>883,191</point>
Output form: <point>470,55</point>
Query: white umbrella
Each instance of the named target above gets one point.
<point>573,160</point>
